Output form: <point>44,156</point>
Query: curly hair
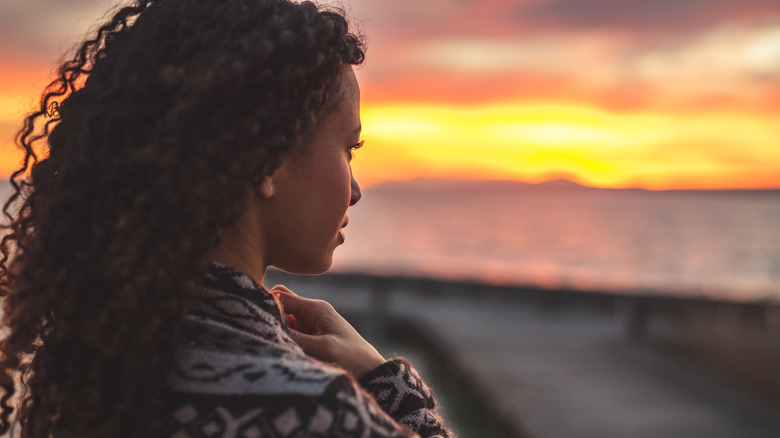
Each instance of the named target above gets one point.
<point>167,118</point>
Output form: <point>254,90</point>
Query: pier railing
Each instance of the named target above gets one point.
<point>642,312</point>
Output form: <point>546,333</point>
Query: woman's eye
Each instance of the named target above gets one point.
<point>351,149</point>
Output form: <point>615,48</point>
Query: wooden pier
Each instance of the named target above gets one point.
<point>570,364</point>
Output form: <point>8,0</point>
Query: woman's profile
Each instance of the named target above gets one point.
<point>195,143</point>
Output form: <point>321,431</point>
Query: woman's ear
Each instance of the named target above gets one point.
<point>267,188</point>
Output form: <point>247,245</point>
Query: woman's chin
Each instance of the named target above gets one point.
<point>312,267</point>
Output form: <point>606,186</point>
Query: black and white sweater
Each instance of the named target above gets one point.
<point>238,373</point>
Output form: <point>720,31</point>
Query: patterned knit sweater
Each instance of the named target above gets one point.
<point>238,373</point>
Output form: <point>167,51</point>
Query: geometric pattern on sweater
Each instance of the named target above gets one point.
<point>238,373</point>
<point>398,388</point>
<point>215,372</point>
<point>341,411</point>
<point>233,298</point>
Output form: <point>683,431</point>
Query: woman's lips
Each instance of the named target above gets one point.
<point>341,233</point>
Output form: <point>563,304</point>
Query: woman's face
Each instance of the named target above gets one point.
<point>312,190</point>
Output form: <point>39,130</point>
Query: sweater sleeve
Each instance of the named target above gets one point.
<point>346,410</point>
<point>401,393</point>
<point>400,405</point>
<point>394,402</point>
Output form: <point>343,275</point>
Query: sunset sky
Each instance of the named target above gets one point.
<point>613,93</point>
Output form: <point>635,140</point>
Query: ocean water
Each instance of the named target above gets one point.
<point>723,245</point>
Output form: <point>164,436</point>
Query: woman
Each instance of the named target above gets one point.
<point>195,143</point>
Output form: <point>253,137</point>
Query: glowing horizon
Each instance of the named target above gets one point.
<point>535,143</point>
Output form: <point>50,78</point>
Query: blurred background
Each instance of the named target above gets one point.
<point>571,210</point>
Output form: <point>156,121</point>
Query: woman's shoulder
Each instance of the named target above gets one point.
<point>228,383</point>
<point>219,360</point>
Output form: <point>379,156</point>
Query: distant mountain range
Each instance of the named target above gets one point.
<point>432,185</point>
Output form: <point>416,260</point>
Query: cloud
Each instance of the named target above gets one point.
<point>722,56</point>
<point>477,56</point>
<point>721,67</point>
<point>48,27</point>
<point>622,53</point>
<point>644,16</point>
<point>763,53</point>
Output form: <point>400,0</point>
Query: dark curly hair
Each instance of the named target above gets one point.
<point>166,119</point>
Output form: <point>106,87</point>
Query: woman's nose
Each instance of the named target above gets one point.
<point>356,192</point>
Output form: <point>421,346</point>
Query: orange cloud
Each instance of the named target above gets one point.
<point>446,88</point>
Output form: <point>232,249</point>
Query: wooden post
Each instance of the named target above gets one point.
<point>636,314</point>
<point>376,314</point>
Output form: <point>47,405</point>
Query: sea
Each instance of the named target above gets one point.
<point>717,244</point>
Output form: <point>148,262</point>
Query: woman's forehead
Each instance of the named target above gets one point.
<point>348,108</point>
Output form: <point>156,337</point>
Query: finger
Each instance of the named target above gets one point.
<point>309,343</point>
<point>275,295</point>
<point>292,303</point>
<point>280,288</point>
<point>310,315</point>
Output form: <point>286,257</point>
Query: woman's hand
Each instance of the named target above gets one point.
<point>323,334</point>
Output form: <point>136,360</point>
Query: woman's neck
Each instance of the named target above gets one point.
<point>236,251</point>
